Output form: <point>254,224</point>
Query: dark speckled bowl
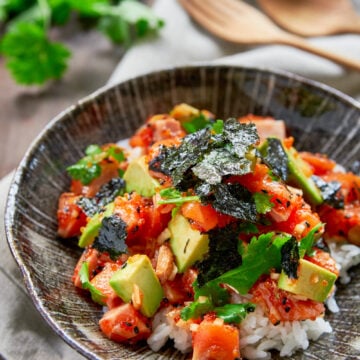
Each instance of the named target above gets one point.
<point>320,118</point>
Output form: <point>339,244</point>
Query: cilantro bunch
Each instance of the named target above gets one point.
<point>32,57</point>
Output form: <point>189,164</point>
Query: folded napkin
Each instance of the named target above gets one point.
<point>23,333</point>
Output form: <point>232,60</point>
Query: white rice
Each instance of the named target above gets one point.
<point>346,255</point>
<point>165,327</point>
<point>257,334</point>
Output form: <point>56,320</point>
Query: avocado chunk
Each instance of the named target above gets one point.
<point>187,244</point>
<point>138,179</point>
<point>289,166</point>
<point>91,230</point>
<point>138,272</point>
<point>296,169</point>
<point>313,282</point>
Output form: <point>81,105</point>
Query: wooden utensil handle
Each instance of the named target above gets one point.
<point>302,44</point>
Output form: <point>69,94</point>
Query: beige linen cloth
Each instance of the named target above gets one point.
<point>23,333</point>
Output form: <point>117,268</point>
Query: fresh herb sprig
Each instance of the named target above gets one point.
<point>88,168</point>
<point>33,58</point>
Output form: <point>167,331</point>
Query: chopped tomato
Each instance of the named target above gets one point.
<point>300,222</point>
<point>109,170</point>
<point>143,222</point>
<point>290,212</point>
<point>341,224</point>
<point>158,128</point>
<point>280,305</point>
<point>288,142</point>
<point>323,259</point>
<point>180,289</point>
<point>215,340</point>
<point>101,282</point>
<point>203,217</point>
<point>95,260</point>
<point>124,323</point>
<point>70,216</point>
<point>284,201</point>
<point>319,163</point>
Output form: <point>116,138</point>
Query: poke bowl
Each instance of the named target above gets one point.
<point>319,119</point>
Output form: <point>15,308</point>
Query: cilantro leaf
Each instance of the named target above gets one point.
<point>84,171</point>
<point>218,126</point>
<point>126,21</point>
<point>31,57</point>
<point>96,294</point>
<point>262,202</point>
<point>275,157</point>
<point>174,196</point>
<point>307,242</point>
<point>261,255</point>
<point>87,168</point>
<point>112,236</point>
<point>197,309</point>
<point>195,123</point>
<point>234,313</point>
<point>93,149</point>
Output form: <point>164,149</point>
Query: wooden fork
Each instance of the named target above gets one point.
<point>238,22</point>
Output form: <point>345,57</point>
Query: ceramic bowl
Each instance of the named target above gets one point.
<point>320,118</point>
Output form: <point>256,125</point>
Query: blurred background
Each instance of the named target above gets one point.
<point>25,110</point>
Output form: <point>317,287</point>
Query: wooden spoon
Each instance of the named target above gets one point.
<point>313,17</point>
<point>240,23</point>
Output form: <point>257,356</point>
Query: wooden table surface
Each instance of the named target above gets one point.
<point>25,111</point>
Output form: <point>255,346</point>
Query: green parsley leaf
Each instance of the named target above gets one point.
<point>93,150</point>
<point>88,168</point>
<point>234,313</point>
<point>31,57</point>
<point>174,196</point>
<point>127,20</point>
<point>262,202</point>
<point>218,126</point>
<point>196,123</point>
<point>116,153</point>
<point>84,171</point>
<point>116,29</point>
<point>197,309</point>
<point>260,256</point>
<point>307,242</point>
<point>96,294</point>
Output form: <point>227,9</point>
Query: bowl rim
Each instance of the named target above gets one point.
<point>10,208</point>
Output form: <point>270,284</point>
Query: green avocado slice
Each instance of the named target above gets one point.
<point>313,282</point>
<point>92,228</point>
